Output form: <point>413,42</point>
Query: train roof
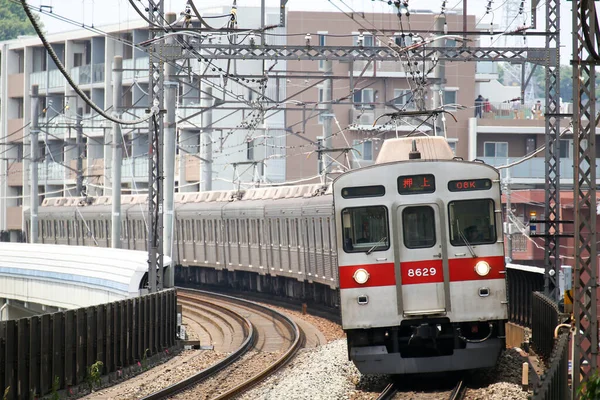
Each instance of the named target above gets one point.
<point>430,147</point>
<point>217,196</point>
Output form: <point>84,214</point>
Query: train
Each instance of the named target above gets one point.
<point>410,249</point>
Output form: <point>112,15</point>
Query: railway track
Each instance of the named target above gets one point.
<point>394,390</point>
<point>266,331</point>
<point>459,391</point>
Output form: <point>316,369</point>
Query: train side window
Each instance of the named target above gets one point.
<point>365,229</point>
<point>418,227</point>
<point>472,222</point>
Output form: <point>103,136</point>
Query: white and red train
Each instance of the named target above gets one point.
<point>412,252</point>
<point>421,261</point>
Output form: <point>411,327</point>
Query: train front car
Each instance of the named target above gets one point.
<point>421,260</point>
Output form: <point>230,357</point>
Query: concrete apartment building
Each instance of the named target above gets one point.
<point>282,149</point>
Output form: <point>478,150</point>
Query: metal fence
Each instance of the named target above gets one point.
<point>57,349</point>
<point>521,286</point>
<point>554,383</point>
<point>545,318</point>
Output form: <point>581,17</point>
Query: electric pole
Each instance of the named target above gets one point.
<point>206,141</point>
<point>117,153</point>
<point>79,145</point>
<point>171,86</point>
<point>33,191</point>
<point>509,248</point>
<point>439,76</point>
<point>327,119</point>
<point>155,148</point>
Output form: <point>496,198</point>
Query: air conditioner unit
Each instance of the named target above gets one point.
<point>366,119</point>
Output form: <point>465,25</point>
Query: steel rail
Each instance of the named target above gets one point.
<point>251,335</point>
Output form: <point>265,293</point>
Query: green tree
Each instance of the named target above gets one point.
<point>14,21</point>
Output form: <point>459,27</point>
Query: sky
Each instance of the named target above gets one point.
<point>106,12</point>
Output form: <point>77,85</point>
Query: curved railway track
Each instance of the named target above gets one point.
<point>266,331</point>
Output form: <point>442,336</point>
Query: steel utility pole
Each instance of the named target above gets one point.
<point>585,121</point>
<point>206,141</point>
<point>552,152</point>
<point>171,86</point>
<point>439,76</point>
<point>33,191</point>
<point>327,118</point>
<point>79,145</point>
<point>117,153</point>
<point>155,154</point>
<point>509,247</point>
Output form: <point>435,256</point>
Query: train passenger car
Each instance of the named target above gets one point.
<point>421,260</point>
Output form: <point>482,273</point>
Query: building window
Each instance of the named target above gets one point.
<point>403,98</point>
<point>363,97</point>
<point>450,97</point>
<point>364,150</point>
<point>495,149</point>
<point>322,42</point>
<point>20,107</point>
<point>367,40</point>
<point>564,147</point>
<point>250,150</point>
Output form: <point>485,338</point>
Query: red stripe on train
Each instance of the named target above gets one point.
<point>379,275</point>
<point>463,269</point>
<point>418,272</point>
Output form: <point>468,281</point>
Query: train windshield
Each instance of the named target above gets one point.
<point>365,229</point>
<point>472,221</point>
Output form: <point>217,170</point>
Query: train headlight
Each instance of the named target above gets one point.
<point>482,268</point>
<point>361,276</point>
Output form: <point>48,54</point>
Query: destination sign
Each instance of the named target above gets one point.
<point>465,185</point>
<point>363,191</point>
<point>415,184</point>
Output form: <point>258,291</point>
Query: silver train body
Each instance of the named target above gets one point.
<point>286,238</point>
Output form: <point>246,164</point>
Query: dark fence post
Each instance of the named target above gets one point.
<point>100,335</point>
<point>23,358</point>
<point>81,345</point>
<point>70,353</point>
<point>108,321</point>
<point>46,353</point>
<point>11,358</point>
<point>91,353</point>
<point>35,360</point>
<point>58,349</point>
<point>129,331</point>
<point>122,305</point>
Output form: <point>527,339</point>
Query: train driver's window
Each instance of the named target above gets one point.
<point>365,229</point>
<point>472,222</point>
<point>418,227</point>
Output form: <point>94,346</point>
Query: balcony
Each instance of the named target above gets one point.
<point>15,85</point>
<point>142,64</point>
<point>15,174</point>
<point>387,69</point>
<point>82,75</point>
<point>52,173</point>
<point>532,170</point>
<point>14,218</point>
<point>15,130</point>
<point>98,73</point>
<point>129,65</point>
<point>135,169</point>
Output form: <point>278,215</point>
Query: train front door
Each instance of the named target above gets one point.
<point>420,241</point>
